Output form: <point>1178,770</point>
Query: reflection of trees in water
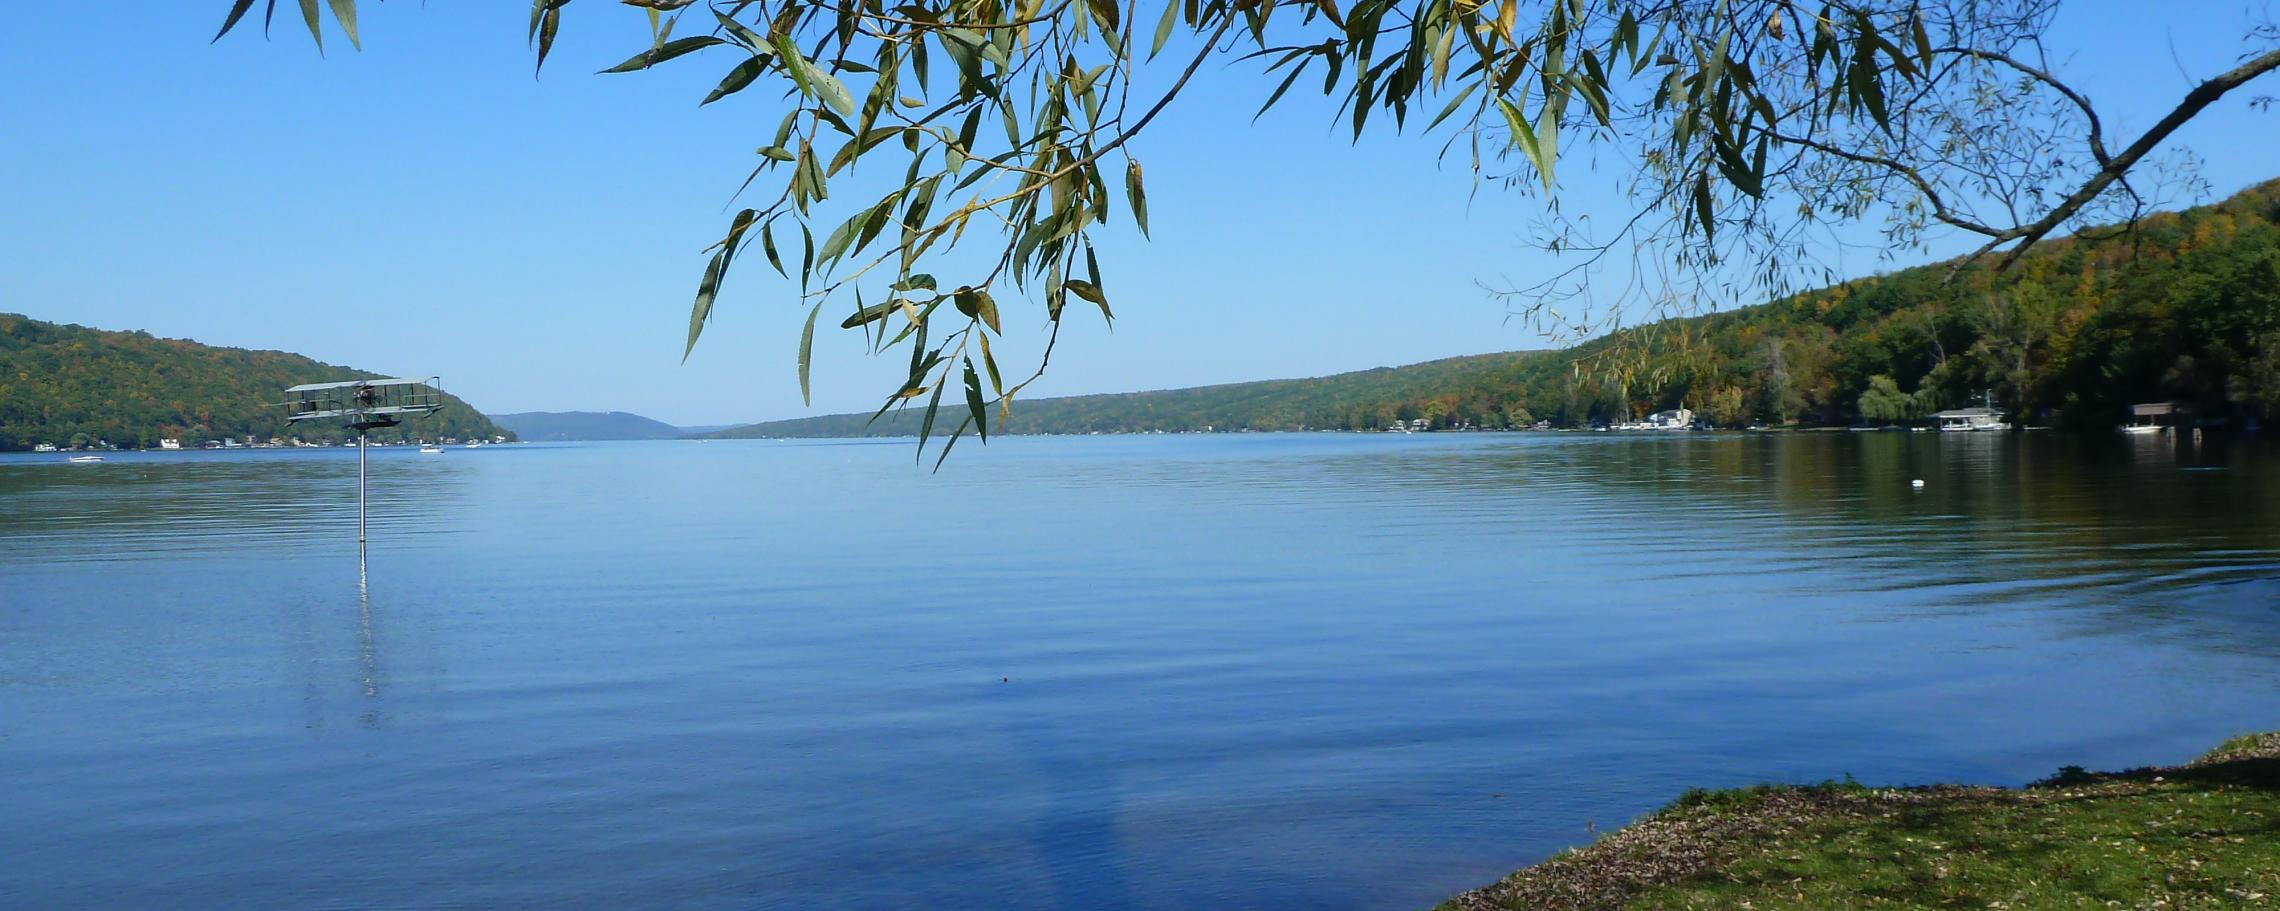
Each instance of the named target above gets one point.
<point>217,502</point>
<point>2115,533</point>
<point>261,546</point>
<point>1994,505</point>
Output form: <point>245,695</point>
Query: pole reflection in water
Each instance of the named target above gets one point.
<point>367,652</point>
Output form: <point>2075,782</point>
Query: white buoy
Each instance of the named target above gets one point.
<point>1917,483</point>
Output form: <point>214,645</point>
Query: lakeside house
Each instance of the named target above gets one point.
<point>1967,419</point>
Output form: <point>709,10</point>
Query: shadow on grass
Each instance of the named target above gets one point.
<point>2261,772</point>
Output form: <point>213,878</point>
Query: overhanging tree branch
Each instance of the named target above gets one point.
<point>2199,98</point>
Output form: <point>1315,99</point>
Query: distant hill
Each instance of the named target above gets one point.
<point>2185,308</point>
<point>586,425</point>
<point>1361,400</point>
<point>66,384</point>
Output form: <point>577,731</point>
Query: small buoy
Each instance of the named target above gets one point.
<point>1917,483</point>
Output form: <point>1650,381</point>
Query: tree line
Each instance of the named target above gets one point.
<point>74,386</point>
<point>2181,306</point>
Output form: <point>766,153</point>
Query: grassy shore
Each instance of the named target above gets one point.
<point>2201,835</point>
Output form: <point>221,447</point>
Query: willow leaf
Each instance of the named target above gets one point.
<point>702,309</point>
<point>664,52</point>
<point>548,22</point>
<point>237,11</point>
<point>1138,195</point>
<point>833,92</point>
<point>974,403</point>
<point>1164,28</point>
<point>737,78</point>
<point>807,349</point>
<point>1524,138</point>
<point>344,12</point>
<point>309,15</point>
<point>953,441</point>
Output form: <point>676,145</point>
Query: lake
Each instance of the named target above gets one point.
<point>1235,671</point>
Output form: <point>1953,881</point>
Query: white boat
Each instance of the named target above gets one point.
<point>474,444</point>
<point>1674,419</point>
<point>44,447</point>
<point>430,449</point>
<point>86,459</point>
<point>1970,419</point>
<point>2155,417</point>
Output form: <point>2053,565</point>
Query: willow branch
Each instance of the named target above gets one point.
<point>2194,102</point>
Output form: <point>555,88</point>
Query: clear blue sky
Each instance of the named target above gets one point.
<point>425,206</point>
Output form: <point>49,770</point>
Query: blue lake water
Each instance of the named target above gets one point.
<point>1272,671</point>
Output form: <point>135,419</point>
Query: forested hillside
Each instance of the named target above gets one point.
<point>2184,308</point>
<point>586,425</point>
<point>1366,399</point>
<point>67,384</point>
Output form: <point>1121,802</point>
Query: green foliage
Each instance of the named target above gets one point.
<point>1885,403</point>
<point>67,384</point>
<point>1009,121</point>
<point>2184,307</point>
<point>2187,310</point>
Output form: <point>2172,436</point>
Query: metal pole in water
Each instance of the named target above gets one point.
<point>360,502</point>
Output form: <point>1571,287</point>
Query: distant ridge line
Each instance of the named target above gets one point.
<point>1274,404</point>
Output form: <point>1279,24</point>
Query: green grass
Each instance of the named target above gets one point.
<point>2204,835</point>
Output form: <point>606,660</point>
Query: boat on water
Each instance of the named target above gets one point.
<point>1673,419</point>
<point>474,444</point>
<point>430,449</point>
<point>85,459</point>
<point>1971,419</point>
<point>2154,417</point>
